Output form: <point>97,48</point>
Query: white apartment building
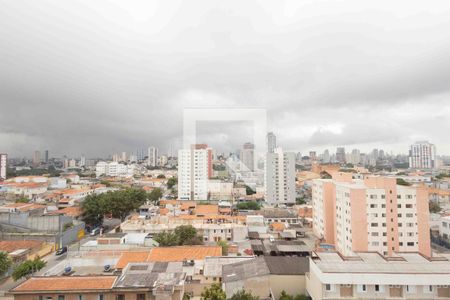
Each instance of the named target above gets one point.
<point>373,214</point>
<point>279,178</point>
<point>444,227</point>
<point>194,170</point>
<point>369,275</point>
<point>152,157</point>
<point>3,165</point>
<point>422,155</point>
<point>113,169</point>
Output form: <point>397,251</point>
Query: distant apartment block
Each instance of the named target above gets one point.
<point>248,157</point>
<point>373,214</point>
<point>113,169</point>
<point>3,165</point>
<point>36,158</point>
<point>271,142</point>
<point>152,156</point>
<point>194,170</point>
<point>422,155</point>
<point>280,177</point>
<point>340,155</point>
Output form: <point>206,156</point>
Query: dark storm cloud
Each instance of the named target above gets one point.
<point>99,77</point>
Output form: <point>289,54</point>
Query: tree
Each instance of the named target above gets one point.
<point>28,267</point>
<point>166,239</point>
<point>5,263</point>
<point>171,182</point>
<point>401,181</point>
<point>214,292</point>
<point>161,176</point>
<point>93,210</point>
<point>224,246</point>
<point>118,203</point>
<point>243,295</point>
<point>182,235</point>
<point>155,194</point>
<point>22,199</point>
<point>285,296</point>
<point>300,200</point>
<point>251,205</point>
<point>249,190</point>
<point>185,233</point>
<point>434,207</point>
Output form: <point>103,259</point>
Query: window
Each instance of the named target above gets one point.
<point>362,288</point>
<point>60,297</point>
<point>80,297</point>
<point>373,206</point>
<point>379,288</point>
<point>408,205</point>
<point>410,289</point>
<point>428,289</point>
<point>101,297</point>
<point>140,297</point>
<point>120,297</point>
<point>328,287</point>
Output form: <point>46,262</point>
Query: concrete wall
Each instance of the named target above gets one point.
<point>292,284</point>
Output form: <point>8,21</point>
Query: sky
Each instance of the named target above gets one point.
<point>99,77</point>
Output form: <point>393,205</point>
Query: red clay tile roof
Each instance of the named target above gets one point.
<point>132,257</point>
<point>163,254</point>
<point>61,283</point>
<point>11,246</point>
<point>207,210</point>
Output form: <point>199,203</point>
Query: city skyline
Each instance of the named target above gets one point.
<point>327,74</point>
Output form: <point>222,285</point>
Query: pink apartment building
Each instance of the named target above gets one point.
<point>372,214</point>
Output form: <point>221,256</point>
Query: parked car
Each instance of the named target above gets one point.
<point>95,231</point>
<point>61,251</point>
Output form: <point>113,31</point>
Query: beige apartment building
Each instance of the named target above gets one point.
<point>370,214</point>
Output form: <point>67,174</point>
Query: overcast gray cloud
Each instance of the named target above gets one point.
<point>98,77</point>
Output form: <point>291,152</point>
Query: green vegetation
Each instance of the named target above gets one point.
<point>285,296</point>
<point>182,235</point>
<point>249,190</point>
<point>171,182</point>
<point>118,203</point>
<point>248,205</point>
<point>401,181</point>
<point>22,199</point>
<point>161,176</point>
<point>67,226</point>
<point>105,182</point>
<point>51,171</point>
<point>244,295</point>
<point>224,246</point>
<point>5,263</point>
<point>155,195</point>
<point>442,176</point>
<point>28,267</point>
<point>214,292</point>
<point>434,207</point>
<point>300,200</point>
<point>219,167</point>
